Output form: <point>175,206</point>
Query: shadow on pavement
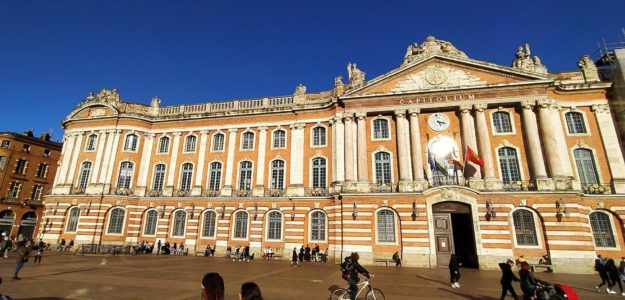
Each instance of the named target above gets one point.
<point>467,296</point>
<point>432,280</point>
<point>61,273</point>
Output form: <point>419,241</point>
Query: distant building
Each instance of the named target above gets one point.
<point>611,65</point>
<point>27,168</point>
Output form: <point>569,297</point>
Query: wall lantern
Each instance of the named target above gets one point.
<point>292,211</point>
<point>192,213</point>
<point>562,212</point>
<point>255,211</point>
<point>490,210</point>
<point>223,210</point>
<point>355,212</point>
<point>89,207</point>
<point>415,212</point>
<point>161,210</point>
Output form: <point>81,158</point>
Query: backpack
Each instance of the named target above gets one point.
<point>345,266</point>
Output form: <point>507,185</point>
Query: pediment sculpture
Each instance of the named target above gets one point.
<point>356,76</point>
<point>588,68</point>
<point>524,61</point>
<point>431,45</point>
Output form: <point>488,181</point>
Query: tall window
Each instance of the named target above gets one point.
<point>602,230</point>
<point>214,182</point>
<point>163,145</point>
<point>319,173</point>
<point>586,166</point>
<point>20,167</point>
<point>274,226</point>
<point>240,225</point>
<point>386,226</point>
<point>319,136</point>
<point>3,162</point>
<point>116,221</point>
<point>248,140</point>
<point>42,170</point>
<point>85,170</point>
<point>210,219</point>
<point>279,138</point>
<point>277,174</point>
<point>159,177</point>
<point>575,122</point>
<point>189,144</point>
<point>380,129</point>
<point>131,142</point>
<point>14,189</point>
<point>185,176</point>
<point>509,165</point>
<point>5,144</point>
<point>151,217</point>
<point>125,175</point>
<point>524,228</point>
<point>37,191</point>
<point>72,219</point>
<point>218,142</point>
<point>501,120</point>
<point>382,167</point>
<point>179,221</point>
<point>318,226</point>
<point>245,176</point>
<point>91,142</point>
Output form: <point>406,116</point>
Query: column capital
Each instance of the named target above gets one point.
<point>297,126</point>
<point>150,135</point>
<point>413,112</point>
<point>262,128</point>
<point>465,108</point>
<point>480,107</point>
<point>600,108</point>
<point>204,132</point>
<point>231,130</point>
<point>361,115</point>
<point>400,113</point>
<point>528,104</point>
<point>348,117</point>
<point>177,134</point>
<point>547,104</point>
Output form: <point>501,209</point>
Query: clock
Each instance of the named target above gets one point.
<point>438,121</point>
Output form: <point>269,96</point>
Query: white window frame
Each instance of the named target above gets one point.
<point>68,214</point>
<point>19,185</point>
<point>617,242</point>
<point>537,227</point>
<point>286,138</point>
<point>510,112</point>
<point>270,177</point>
<point>234,224</point>
<point>108,221</point>
<point>95,143</point>
<point>203,219</point>
<point>388,127</point>
<point>312,136</point>
<point>505,143</point>
<point>221,175</point>
<point>80,171</point>
<point>310,173</point>
<point>266,227</point>
<point>239,174</point>
<point>310,213</point>
<point>584,118</point>
<point>396,227</point>
<point>223,148</point>
<point>184,147</point>
<point>158,145</point>
<point>145,222</point>
<point>132,176</point>
<point>38,191</point>
<point>242,138</point>
<point>138,142</point>
<point>373,169</point>
<point>164,175</point>
<point>173,223</point>
<point>581,145</point>
<point>192,175</point>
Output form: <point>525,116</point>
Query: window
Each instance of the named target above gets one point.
<point>279,138</point>
<point>214,182</point>
<point>382,168</point>
<point>185,176</point>
<point>151,217</point>
<point>14,189</point>
<point>386,226</point>
<point>159,177</point>
<point>72,220</point>
<point>20,167</point>
<point>602,230</point>
<point>83,178</point>
<point>125,175</point>
<point>131,142</point>
<point>210,219</point>
<point>318,226</point>
<point>5,144</point>
<point>509,165</point>
<point>179,221</point>
<point>42,170</point>
<point>501,120</point>
<point>91,142</point>
<point>575,122</point>
<point>248,141</point>
<point>524,228</point>
<point>36,194</point>
<point>218,142</point>
<point>46,153</point>
<point>3,161</point>
<point>319,136</point>
<point>586,166</point>
<point>245,176</point>
<point>277,174</point>
<point>380,129</point>
<point>240,225</point>
<point>116,221</point>
<point>163,145</point>
<point>189,144</point>
<point>319,173</point>
<point>274,226</point>
<point>26,148</point>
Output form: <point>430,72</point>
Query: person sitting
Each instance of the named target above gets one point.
<point>213,287</point>
<point>546,260</point>
<point>397,259</point>
<point>207,250</point>
<point>250,291</point>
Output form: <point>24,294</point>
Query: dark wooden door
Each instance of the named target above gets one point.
<point>444,239</point>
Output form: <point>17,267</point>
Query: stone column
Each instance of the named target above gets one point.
<point>173,166</point>
<point>611,146</point>
<point>405,174</point>
<point>144,165</point>
<point>350,161</point>
<point>490,181</point>
<point>296,172</point>
<point>74,162</point>
<point>199,177</point>
<point>68,148</point>
<point>111,162</point>
<point>556,159</point>
<point>102,140</point>
<point>232,140</point>
<point>469,140</point>
<point>259,188</point>
<point>535,149</point>
<point>416,151</point>
<point>363,168</point>
<point>339,138</point>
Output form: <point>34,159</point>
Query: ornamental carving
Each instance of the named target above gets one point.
<point>601,108</point>
<point>588,68</point>
<point>430,46</point>
<point>434,77</point>
<point>355,75</point>
<point>528,104</point>
<point>525,62</point>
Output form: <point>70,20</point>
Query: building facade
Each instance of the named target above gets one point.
<point>27,167</point>
<point>375,166</point>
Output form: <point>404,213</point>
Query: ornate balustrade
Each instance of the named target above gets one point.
<point>154,193</point>
<point>316,192</point>
<point>597,188</point>
<point>182,193</point>
<point>275,193</point>
<point>241,193</point>
<point>210,193</point>
<point>78,190</point>
<point>383,187</point>
<point>122,191</point>
<point>518,186</point>
<point>229,106</point>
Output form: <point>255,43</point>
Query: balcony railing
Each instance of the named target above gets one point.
<point>211,193</point>
<point>317,192</point>
<point>11,199</point>
<point>154,193</point>
<point>275,193</point>
<point>122,191</point>
<point>383,187</point>
<point>596,188</point>
<point>78,190</point>
<point>517,186</point>
<point>182,193</point>
<point>241,193</point>
<point>443,180</point>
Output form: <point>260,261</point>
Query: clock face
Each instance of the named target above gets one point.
<point>438,121</point>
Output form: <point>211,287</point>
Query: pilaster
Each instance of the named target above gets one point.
<point>145,165</point>
<point>363,168</point>
<point>611,146</point>
<point>296,176</point>
<point>405,174</point>
<point>537,162</point>
<point>350,162</point>
<point>483,135</point>
<point>416,153</point>
<point>199,177</point>
<point>173,166</point>
<point>259,188</point>
<point>469,139</point>
<point>232,137</point>
<point>69,181</point>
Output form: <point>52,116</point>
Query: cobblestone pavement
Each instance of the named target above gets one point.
<point>178,277</point>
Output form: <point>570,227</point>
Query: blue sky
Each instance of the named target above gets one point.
<point>52,53</point>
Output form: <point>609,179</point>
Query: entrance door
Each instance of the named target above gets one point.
<point>27,226</point>
<point>6,222</point>
<point>443,235</point>
<point>453,233</point>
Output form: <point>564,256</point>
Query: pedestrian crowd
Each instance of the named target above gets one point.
<point>610,274</point>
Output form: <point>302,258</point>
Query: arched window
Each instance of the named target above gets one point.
<point>72,219</point>
<point>85,170</point>
<point>248,141</point>
<point>131,142</point>
<point>279,138</point>
<point>116,221</point>
<point>318,226</point>
<point>524,228</point>
<point>382,168</point>
<point>179,221</point>
<point>277,174</point>
<point>501,120</point>
<point>509,165</point>
<point>159,177</point>
<point>214,182</point>
<point>245,176</point>
<point>240,225</point>
<point>189,144</point>
<point>274,226</point>
<point>151,217</point>
<point>586,167</point>
<point>380,129</point>
<point>210,219</point>
<point>386,226</point>
<point>185,176</point>
<point>602,230</point>
<point>91,142</point>
<point>163,145</point>
<point>319,172</point>
<point>125,175</point>
<point>319,136</point>
<point>575,122</point>
<point>218,142</point>
<point>7,218</point>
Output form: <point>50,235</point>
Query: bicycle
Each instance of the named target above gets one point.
<point>372,293</point>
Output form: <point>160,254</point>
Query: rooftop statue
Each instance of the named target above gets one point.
<point>356,76</point>
<point>589,69</point>
<point>104,95</point>
<point>300,89</point>
<point>524,61</point>
<point>431,45</point>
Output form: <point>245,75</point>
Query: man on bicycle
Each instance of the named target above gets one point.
<point>353,269</point>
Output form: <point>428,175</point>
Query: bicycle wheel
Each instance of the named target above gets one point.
<point>375,294</point>
<point>340,294</point>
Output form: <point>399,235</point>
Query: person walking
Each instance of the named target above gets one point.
<point>454,271</point>
<point>301,254</point>
<point>4,246</point>
<point>213,287</point>
<point>507,277</point>
<point>528,282</point>
<point>158,250</point>
<point>294,258</point>
<point>250,291</point>
<point>603,273</point>
<point>22,257</point>
<point>614,277</point>
<point>39,254</point>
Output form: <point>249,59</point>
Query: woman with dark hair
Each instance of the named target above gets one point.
<point>528,282</point>
<point>454,271</point>
<point>250,291</point>
<point>212,287</point>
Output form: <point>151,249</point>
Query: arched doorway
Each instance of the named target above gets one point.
<point>27,226</point>
<point>6,221</point>
<point>453,233</point>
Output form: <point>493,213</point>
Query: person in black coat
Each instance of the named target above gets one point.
<point>507,277</point>
<point>294,258</point>
<point>528,282</point>
<point>613,274</point>
<point>301,254</point>
<point>454,271</point>
<point>603,272</point>
<point>355,269</point>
